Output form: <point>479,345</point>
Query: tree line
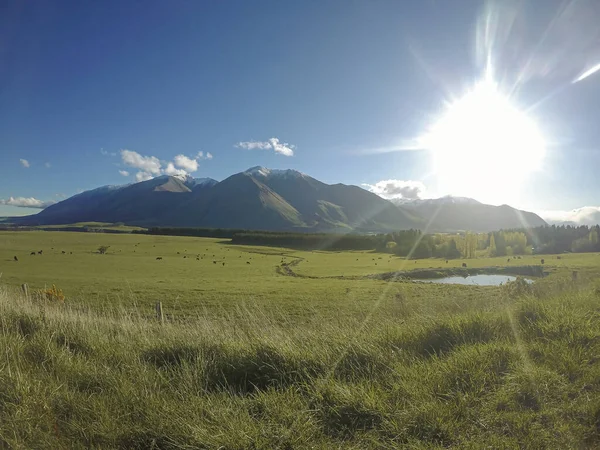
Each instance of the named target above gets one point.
<point>414,243</point>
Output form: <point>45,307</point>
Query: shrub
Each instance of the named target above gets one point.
<point>52,295</point>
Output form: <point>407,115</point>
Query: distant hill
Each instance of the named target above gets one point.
<point>258,199</point>
<point>461,213</point>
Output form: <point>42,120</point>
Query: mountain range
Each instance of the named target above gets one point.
<point>266,199</point>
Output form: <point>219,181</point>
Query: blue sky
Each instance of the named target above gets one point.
<point>340,84</point>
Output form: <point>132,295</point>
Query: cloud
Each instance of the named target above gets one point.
<point>143,176</point>
<point>174,172</point>
<point>283,148</point>
<point>105,153</point>
<point>26,202</point>
<point>47,165</point>
<point>587,215</point>
<point>188,164</point>
<point>150,166</point>
<point>390,189</point>
<point>147,164</point>
<point>201,155</point>
<point>25,163</point>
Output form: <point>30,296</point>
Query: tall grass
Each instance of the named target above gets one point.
<point>521,372</point>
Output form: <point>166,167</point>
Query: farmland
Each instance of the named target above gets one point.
<point>251,358</point>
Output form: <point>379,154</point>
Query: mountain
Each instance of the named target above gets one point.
<point>461,213</point>
<point>259,199</point>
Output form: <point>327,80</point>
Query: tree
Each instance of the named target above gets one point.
<point>492,245</point>
<point>103,249</point>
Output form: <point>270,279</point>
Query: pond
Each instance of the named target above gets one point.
<point>478,280</point>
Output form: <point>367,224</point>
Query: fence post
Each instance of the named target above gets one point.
<point>25,290</point>
<point>159,312</point>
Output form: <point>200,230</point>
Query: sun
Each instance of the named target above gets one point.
<point>484,147</point>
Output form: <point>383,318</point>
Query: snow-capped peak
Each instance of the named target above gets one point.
<point>264,172</point>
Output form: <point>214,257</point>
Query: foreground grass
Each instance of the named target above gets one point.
<point>519,371</point>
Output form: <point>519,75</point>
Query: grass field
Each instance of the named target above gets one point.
<point>250,358</point>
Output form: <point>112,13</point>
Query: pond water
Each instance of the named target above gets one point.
<point>478,280</point>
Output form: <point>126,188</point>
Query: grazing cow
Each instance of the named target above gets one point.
<point>184,257</point>
<point>197,259</point>
<point>542,261</point>
<point>446,261</point>
<point>223,264</point>
<point>40,252</point>
<point>178,253</point>
<point>508,260</point>
<point>159,257</point>
<point>464,264</point>
<point>247,262</point>
<point>70,253</point>
<point>16,259</point>
<point>214,262</point>
<point>64,253</point>
<point>32,254</point>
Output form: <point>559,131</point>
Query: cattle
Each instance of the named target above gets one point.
<point>70,253</point>
<point>64,253</point>
<point>184,257</point>
<point>464,264</point>
<point>40,252</point>
<point>214,262</point>
<point>178,253</point>
<point>158,257</point>
<point>16,259</point>
<point>197,259</point>
<point>508,260</point>
<point>446,261</point>
<point>542,261</point>
<point>223,264</point>
<point>247,262</point>
<point>32,254</point>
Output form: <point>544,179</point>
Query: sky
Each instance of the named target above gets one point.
<point>114,92</point>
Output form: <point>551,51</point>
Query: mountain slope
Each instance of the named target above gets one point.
<point>457,214</point>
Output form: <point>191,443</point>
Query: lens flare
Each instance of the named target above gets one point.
<point>483,146</point>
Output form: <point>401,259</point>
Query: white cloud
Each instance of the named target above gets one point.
<point>174,172</point>
<point>143,176</point>
<point>587,215</point>
<point>148,164</point>
<point>283,148</point>
<point>26,202</point>
<point>202,155</point>
<point>24,162</point>
<point>188,164</point>
<point>47,165</point>
<point>390,189</point>
<point>105,153</point>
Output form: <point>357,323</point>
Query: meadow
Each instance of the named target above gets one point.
<point>250,357</point>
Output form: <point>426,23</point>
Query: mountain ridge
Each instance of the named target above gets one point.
<point>271,199</point>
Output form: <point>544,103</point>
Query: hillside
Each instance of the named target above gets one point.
<point>458,213</point>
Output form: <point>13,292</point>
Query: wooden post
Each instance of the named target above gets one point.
<point>25,290</point>
<point>159,312</point>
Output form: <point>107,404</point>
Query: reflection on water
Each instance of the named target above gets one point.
<point>479,280</point>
